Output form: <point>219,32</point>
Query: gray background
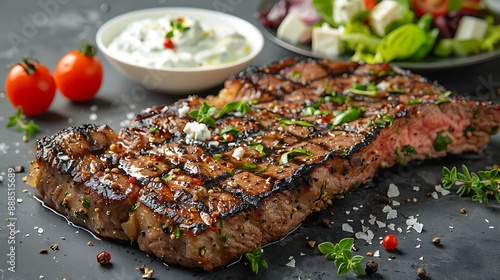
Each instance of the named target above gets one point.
<point>470,242</point>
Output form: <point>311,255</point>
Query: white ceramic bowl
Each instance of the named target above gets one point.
<point>179,80</point>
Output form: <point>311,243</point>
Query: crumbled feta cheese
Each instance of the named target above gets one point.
<point>327,42</point>
<point>293,30</point>
<point>238,153</point>
<point>393,191</point>
<point>197,131</point>
<point>183,111</point>
<point>345,10</point>
<point>383,14</point>
<point>471,28</point>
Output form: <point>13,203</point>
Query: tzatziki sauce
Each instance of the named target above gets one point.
<point>178,41</point>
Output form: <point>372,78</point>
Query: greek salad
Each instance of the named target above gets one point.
<point>387,30</point>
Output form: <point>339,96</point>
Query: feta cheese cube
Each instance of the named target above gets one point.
<point>345,10</point>
<point>238,153</point>
<point>197,131</point>
<point>326,41</point>
<point>471,28</point>
<point>293,30</point>
<point>383,14</point>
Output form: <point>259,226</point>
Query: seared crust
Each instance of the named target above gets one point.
<point>187,207</point>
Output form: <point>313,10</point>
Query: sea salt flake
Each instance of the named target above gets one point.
<point>442,191</point>
<point>40,230</point>
<point>418,239</point>
<point>400,230</point>
<point>355,208</point>
<point>347,228</point>
<point>291,263</point>
<point>411,221</point>
<point>421,258</point>
<point>434,195</point>
<point>93,117</point>
<point>381,224</point>
<point>416,188</point>
<point>347,212</point>
<point>19,200</point>
<point>393,191</point>
<point>386,209</point>
<point>487,221</point>
<point>302,254</point>
<point>417,246</point>
<point>391,226</point>
<point>450,227</point>
<point>395,203</point>
<point>491,227</point>
<point>94,108</point>
<point>418,227</point>
<point>364,228</point>
<point>392,214</point>
<point>377,254</point>
<point>414,199</point>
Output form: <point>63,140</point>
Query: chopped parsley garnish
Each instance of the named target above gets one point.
<point>396,90</point>
<point>286,157</point>
<point>238,106</point>
<point>296,75</point>
<point>217,156</point>
<point>441,142</point>
<point>204,114</point>
<point>351,114</point>
<point>224,238</point>
<point>295,122</point>
<point>134,207</point>
<point>85,203</point>
<point>177,233</point>
<point>414,101</point>
<point>405,151</point>
<point>384,121</point>
<point>154,130</point>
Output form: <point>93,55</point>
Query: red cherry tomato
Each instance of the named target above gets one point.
<point>78,74</point>
<point>31,86</point>
<point>390,242</point>
<point>370,4</point>
<point>434,7</point>
<point>167,43</point>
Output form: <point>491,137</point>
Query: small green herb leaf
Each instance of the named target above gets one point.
<point>204,114</point>
<point>351,114</point>
<point>295,122</point>
<point>369,89</point>
<point>255,260</point>
<point>238,106</point>
<point>20,120</point>
<point>341,255</point>
<point>134,207</point>
<point>483,184</point>
<point>441,142</point>
<point>286,157</point>
<point>229,130</point>
<point>85,203</point>
<point>258,147</point>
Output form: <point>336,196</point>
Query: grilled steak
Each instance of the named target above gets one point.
<point>200,189</point>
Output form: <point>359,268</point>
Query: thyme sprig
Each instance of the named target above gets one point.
<point>483,184</point>
<point>341,254</point>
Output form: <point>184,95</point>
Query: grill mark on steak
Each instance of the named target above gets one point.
<point>174,197</point>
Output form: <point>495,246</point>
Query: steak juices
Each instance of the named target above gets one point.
<point>302,131</point>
